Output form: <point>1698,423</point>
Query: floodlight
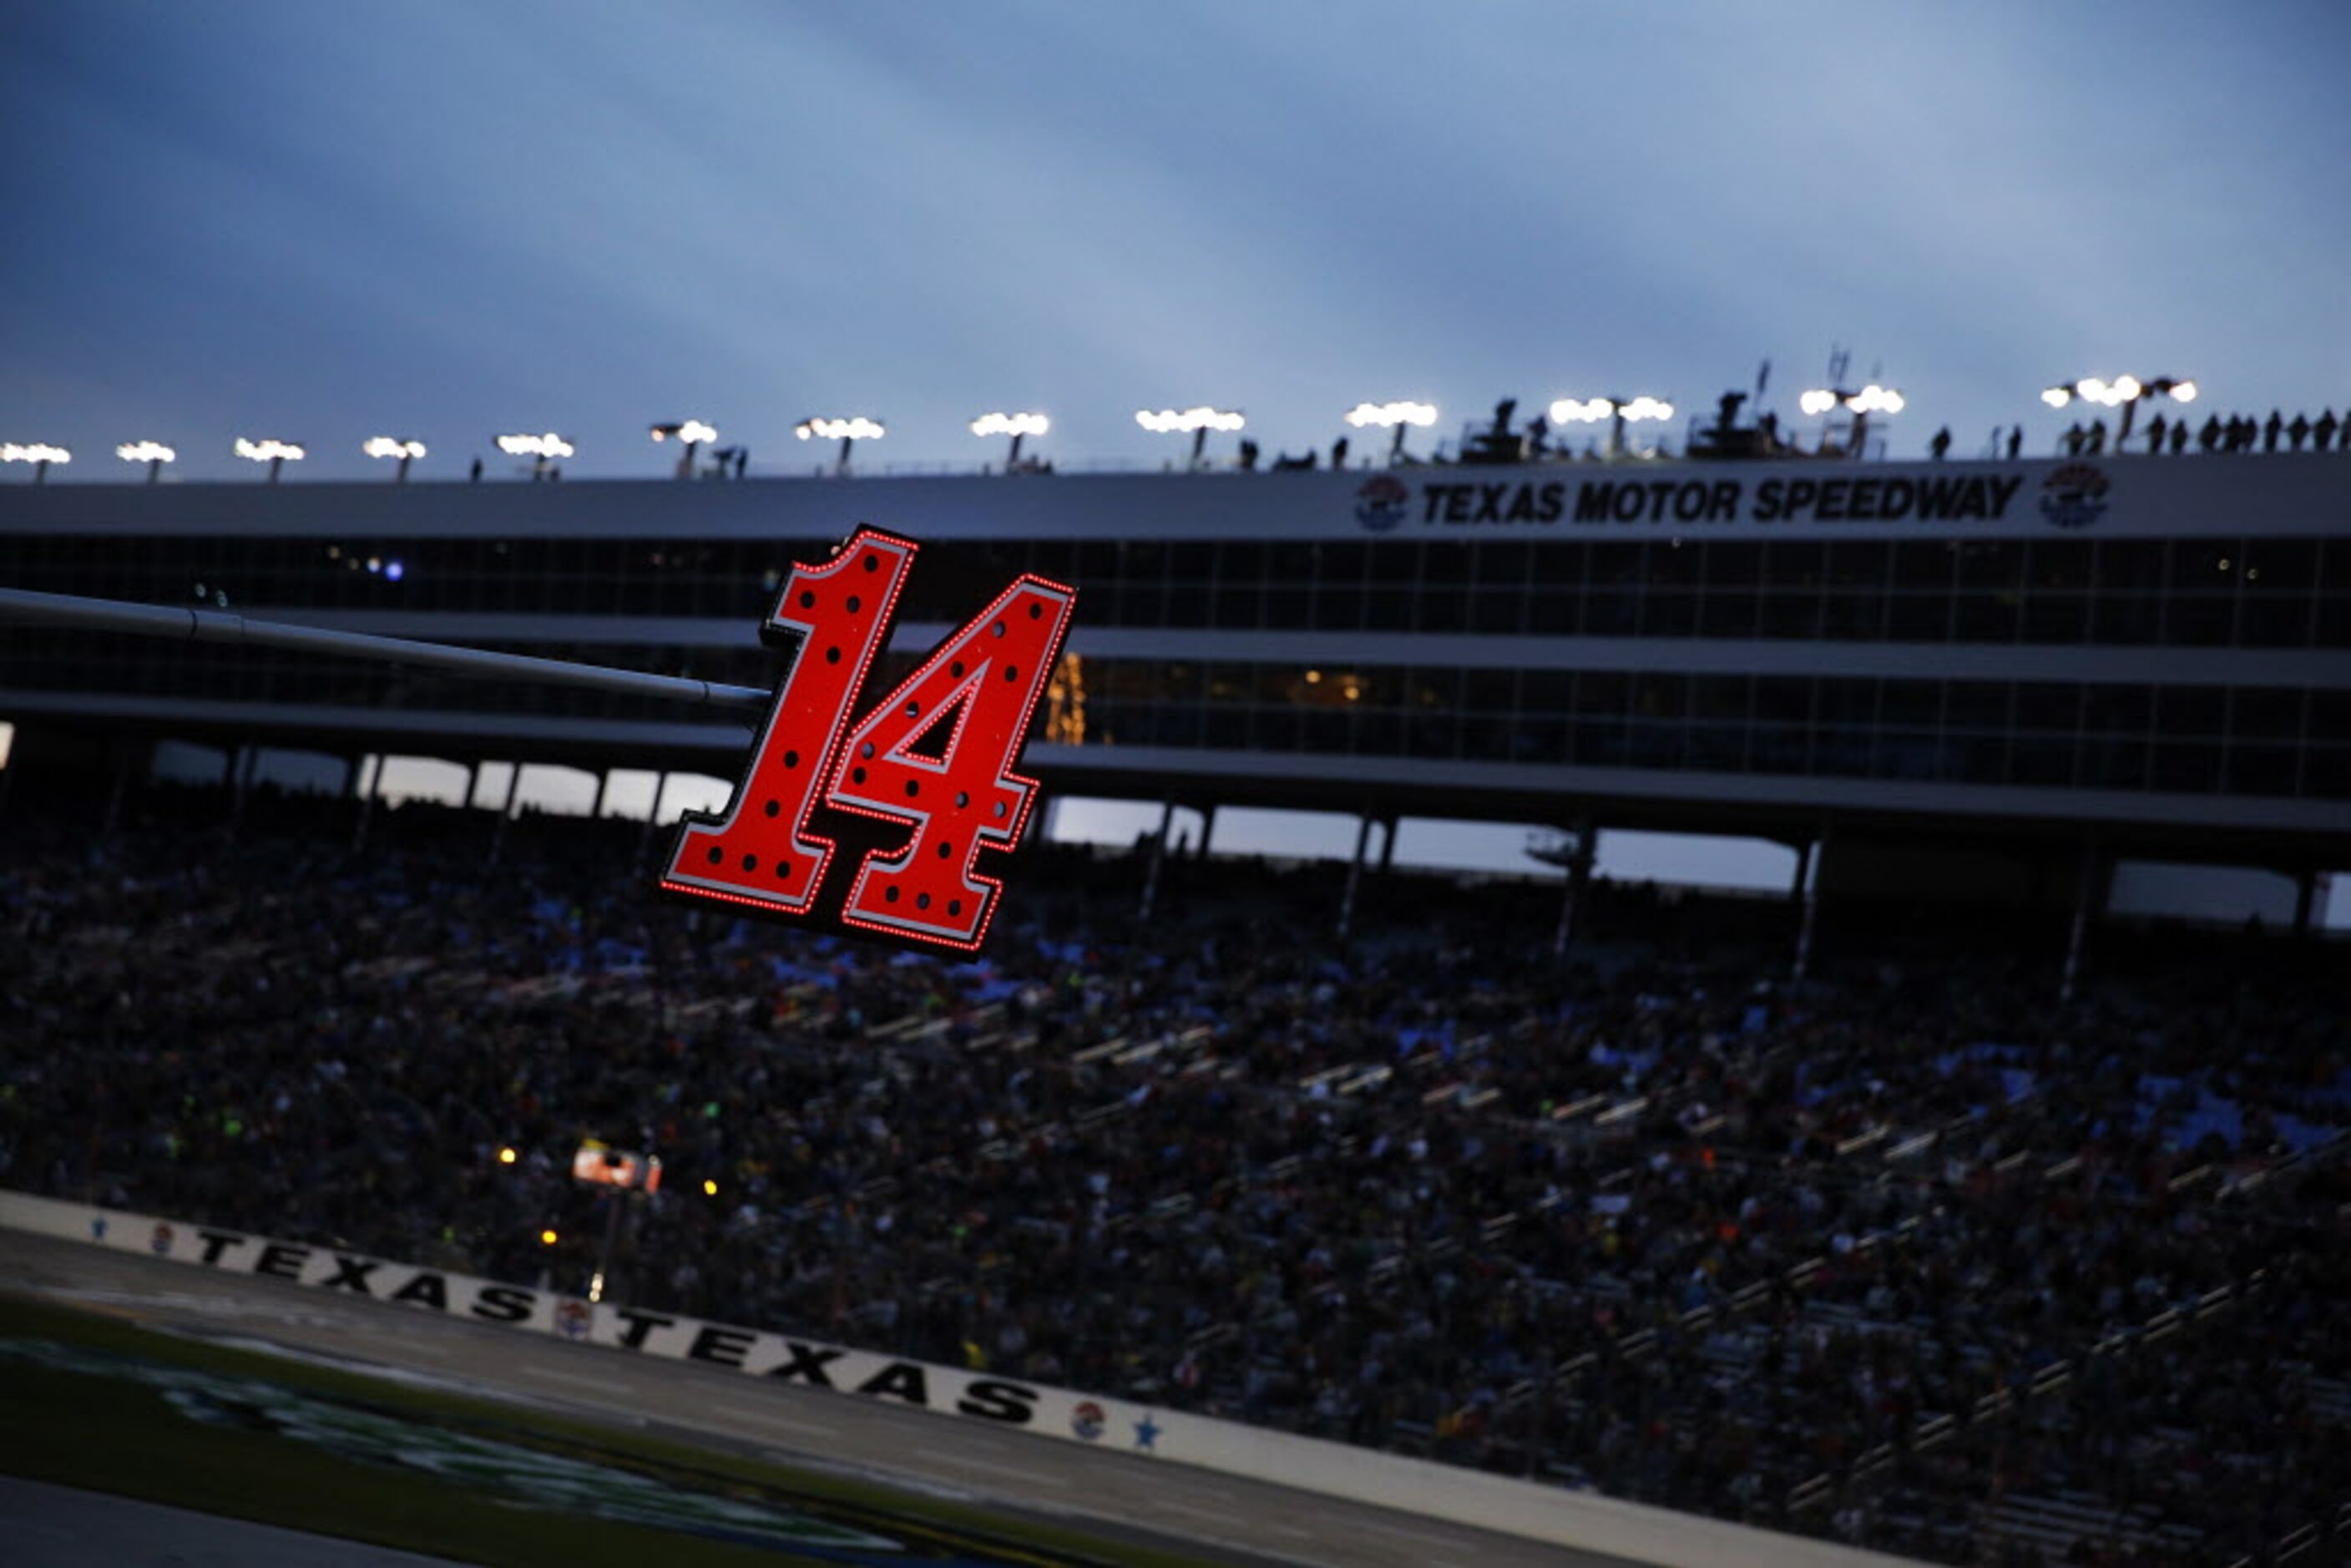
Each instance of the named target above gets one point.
<point>1015,425</point>
<point>39,453</point>
<point>1199,420</point>
<point>848,432</point>
<point>277,453</point>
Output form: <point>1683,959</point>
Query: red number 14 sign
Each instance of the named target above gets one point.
<point>935,757</point>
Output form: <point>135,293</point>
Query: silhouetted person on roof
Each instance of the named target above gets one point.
<point>2015,440</point>
<point>1339,453</point>
<point>2298,432</point>
<point>2072,438</point>
<point>2179,437</point>
<point>1941,445</point>
<point>2324,430</point>
<point>2097,441</point>
<point>1248,456</point>
<point>2270,431</point>
<point>473,474</point>
<point>2155,429</point>
<point>1502,413</point>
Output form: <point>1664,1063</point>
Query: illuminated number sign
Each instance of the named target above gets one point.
<point>934,757</point>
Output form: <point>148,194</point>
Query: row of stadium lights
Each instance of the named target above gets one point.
<point>1199,422</point>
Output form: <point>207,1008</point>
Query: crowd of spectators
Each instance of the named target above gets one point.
<point>1902,1255</point>
<point>2237,432</point>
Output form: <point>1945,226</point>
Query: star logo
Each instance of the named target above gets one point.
<point>1146,1434</point>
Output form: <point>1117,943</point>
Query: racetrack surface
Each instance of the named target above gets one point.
<point>65,1527</point>
<point>1220,1518</point>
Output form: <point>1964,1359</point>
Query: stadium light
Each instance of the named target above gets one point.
<point>2124,393</point>
<point>393,446</point>
<point>848,432</point>
<point>1396,415</point>
<point>541,449</point>
<point>692,435</point>
<point>547,1238</point>
<point>1619,412</point>
<point>1199,420</point>
<point>1015,425</point>
<point>506,1155</point>
<point>153,453</point>
<point>39,453</point>
<point>277,453</point>
<point>709,1188</point>
<point>1871,399</point>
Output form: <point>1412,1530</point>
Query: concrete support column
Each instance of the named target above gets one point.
<point>2305,889</point>
<point>2089,899</point>
<point>1571,897</point>
<point>506,813</point>
<point>1387,831</point>
<point>241,763</point>
<point>1354,877</point>
<point>1207,831</point>
<point>114,794</point>
<point>367,793</point>
<point>1158,860</point>
<point>1807,891</point>
<point>603,782</point>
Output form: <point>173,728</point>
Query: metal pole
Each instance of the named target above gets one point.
<point>611,1245</point>
<point>187,625</point>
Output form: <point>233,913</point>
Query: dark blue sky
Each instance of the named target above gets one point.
<point>324,222</point>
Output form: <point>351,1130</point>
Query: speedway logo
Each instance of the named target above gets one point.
<point>1386,503</point>
<point>2073,496</point>
<point>1382,502</point>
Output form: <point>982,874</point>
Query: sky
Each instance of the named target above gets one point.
<point>326,222</point>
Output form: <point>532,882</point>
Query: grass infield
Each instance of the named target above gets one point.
<point>90,1401</point>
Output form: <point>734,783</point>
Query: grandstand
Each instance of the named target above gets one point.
<point>1984,679</point>
<point>1899,1254</point>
